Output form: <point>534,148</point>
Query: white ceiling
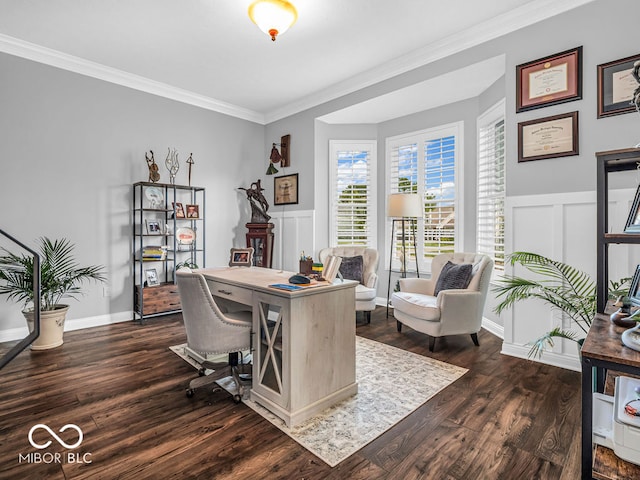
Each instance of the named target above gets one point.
<point>208,52</point>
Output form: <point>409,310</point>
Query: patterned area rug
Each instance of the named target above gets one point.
<point>392,383</point>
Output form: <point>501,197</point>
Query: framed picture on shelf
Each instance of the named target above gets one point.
<point>549,137</point>
<point>153,228</point>
<point>634,289</point>
<point>241,257</point>
<point>178,210</point>
<point>152,277</point>
<point>549,80</point>
<point>285,189</point>
<point>616,86</point>
<point>633,221</point>
<point>193,211</point>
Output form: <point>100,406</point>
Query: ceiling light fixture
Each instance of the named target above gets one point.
<point>273,17</point>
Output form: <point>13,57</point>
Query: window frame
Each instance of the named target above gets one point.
<point>455,129</point>
<point>371,146</point>
<point>488,119</point>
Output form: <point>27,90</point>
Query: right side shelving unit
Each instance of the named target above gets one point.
<point>602,355</point>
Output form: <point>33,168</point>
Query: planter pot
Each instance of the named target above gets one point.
<point>51,327</point>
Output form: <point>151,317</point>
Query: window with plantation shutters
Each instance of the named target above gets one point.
<point>426,163</point>
<point>352,215</point>
<point>491,184</point>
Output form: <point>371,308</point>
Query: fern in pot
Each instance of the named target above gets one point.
<point>60,277</point>
<point>562,286</point>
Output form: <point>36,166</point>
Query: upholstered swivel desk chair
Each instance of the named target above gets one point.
<point>210,331</point>
<point>453,310</point>
<point>366,290</point>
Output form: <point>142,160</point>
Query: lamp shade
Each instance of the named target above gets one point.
<point>273,17</point>
<point>404,205</point>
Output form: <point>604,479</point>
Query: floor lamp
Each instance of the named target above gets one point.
<point>400,207</point>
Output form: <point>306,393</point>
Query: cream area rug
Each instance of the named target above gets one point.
<point>392,383</point>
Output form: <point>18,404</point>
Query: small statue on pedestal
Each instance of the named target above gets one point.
<point>154,175</point>
<point>259,204</point>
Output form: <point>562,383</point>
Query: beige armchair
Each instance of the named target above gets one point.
<point>367,290</point>
<point>449,311</point>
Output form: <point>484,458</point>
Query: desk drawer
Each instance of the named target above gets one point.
<point>230,292</point>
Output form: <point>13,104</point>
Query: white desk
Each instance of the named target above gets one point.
<point>304,357</point>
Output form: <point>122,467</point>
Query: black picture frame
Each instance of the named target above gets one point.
<point>634,288</point>
<point>633,220</point>
<point>544,138</point>
<point>615,84</point>
<point>285,190</point>
<point>541,83</point>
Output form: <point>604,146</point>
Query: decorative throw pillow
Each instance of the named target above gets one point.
<point>352,268</point>
<point>454,276</point>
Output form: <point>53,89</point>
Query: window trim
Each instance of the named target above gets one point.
<point>455,129</point>
<point>361,145</point>
<point>490,117</point>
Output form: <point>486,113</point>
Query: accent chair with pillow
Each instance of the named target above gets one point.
<point>451,302</point>
<point>360,264</point>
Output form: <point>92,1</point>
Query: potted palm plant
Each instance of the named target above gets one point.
<point>562,286</point>
<point>61,277</point>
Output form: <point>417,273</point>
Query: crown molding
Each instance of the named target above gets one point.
<point>524,16</point>
<point>511,21</point>
<point>54,58</point>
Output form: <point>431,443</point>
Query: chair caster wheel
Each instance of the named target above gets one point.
<point>237,399</point>
<point>201,372</point>
<point>189,392</point>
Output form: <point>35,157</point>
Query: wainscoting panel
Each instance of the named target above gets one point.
<point>562,227</point>
<point>294,233</point>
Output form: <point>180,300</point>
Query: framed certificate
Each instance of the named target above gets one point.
<point>549,80</point>
<point>548,137</point>
<point>616,86</point>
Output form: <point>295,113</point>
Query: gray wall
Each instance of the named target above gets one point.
<point>71,148</point>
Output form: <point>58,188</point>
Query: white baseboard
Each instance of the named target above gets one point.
<point>19,333</point>
<point>548,358</point>
<point>493,327</point>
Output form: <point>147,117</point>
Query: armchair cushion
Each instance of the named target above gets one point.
<point>352,268</point>
<point>454,276</point>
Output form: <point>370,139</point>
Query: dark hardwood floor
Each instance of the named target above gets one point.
<point>505,419</point>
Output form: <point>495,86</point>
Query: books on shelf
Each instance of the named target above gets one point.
<point>331,267</point>
<point>154,252</point>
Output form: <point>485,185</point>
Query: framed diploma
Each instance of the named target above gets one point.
<point>549,80</point>
<point>548,137</point>
<point>616,86</point>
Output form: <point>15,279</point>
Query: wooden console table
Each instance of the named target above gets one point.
<point>603,354</point>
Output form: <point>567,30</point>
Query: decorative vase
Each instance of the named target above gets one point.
<point>51,327</point>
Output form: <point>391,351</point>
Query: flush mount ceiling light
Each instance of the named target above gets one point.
<point>273,17</point>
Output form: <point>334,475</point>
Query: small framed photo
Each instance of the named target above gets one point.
<point>178,210</point>
<point>634,289</point>
<point>153,228</point>
<point>633,221</point>
<point>241,257</point>
<point>152,277</point>
<point>193,211</point>
<point>616,86</point>
<point>285,189</point>
<point>549,137</point>
<point>549,80</point>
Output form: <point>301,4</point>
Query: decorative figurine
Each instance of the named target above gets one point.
<point>172,164</point>
<point>154,175</point>
<point>259,204</point>
<point>190,162</point>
